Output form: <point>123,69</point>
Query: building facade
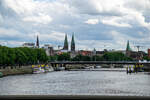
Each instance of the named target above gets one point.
<point>148,53</point>
<point>29,45</point>
<point>48,49</point>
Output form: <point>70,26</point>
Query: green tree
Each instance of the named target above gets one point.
<point>146,58</point>
<point>115,56</point>
<point>97,58</point>
<point>53,58</point>
<point>81,58</point>
<point>21,58</point>
<point>63,57</point>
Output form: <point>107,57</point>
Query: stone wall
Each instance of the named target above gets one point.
<point>16,70</point>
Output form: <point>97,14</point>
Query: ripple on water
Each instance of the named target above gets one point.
<point>77,83</point>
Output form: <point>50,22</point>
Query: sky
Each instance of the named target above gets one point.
<point>100,24</point>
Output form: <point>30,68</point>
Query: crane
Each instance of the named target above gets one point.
<point>138,47</point>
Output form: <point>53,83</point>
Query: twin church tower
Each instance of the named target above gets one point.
<point>66,43</point>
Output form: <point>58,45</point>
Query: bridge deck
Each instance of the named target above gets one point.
<point>98,62</point>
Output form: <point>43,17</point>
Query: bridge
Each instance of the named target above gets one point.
<point>63,63</point>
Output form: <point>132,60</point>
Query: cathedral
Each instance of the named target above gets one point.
<point>66,44</point>
<point>37,42</point>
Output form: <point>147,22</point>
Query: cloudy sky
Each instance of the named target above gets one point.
<point>96,23</point>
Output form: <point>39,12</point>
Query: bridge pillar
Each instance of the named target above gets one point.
<point>64,65</point>
<point>52,65</point>
<point>61,65</point>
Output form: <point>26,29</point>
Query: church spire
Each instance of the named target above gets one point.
<point>66,43</point>
<point>72,43</point>
<point>37,42</point>
<point>128,46</point>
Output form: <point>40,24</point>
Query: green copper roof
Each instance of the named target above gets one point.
<point>128,46</point>
<point>66,42</point>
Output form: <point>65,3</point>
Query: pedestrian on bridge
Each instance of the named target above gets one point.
<point>134,68</point>
<point>130,69</point>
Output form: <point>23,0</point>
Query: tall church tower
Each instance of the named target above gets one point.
<point>72,43</point>
<point>37,42</point>
<point>65,43</point>
<point>128,49</point>
<point>128,46</point>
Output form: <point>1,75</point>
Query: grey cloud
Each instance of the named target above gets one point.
<point>90,8</point>
<point>68,20</point>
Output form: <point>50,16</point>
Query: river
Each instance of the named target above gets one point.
<point>77,83</point>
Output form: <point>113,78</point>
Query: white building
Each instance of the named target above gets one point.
<point>48,49</point>
<point>29,45</point>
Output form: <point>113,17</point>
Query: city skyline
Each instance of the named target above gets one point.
<point>105,25</point>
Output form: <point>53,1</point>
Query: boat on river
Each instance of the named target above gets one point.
<point>42,69</point>
<point>38,70</point>
<point>98,66</point>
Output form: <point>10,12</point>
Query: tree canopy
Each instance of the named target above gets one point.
<point>21,56</point>
<point>108,56</point>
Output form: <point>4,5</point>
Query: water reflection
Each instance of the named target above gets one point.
<point>77,83</point>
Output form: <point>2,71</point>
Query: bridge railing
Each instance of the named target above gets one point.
<point>98,62</point>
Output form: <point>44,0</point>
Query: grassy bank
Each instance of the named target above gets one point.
<point>16,71</point>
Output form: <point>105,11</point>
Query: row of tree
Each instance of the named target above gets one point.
<point>108,56</point>
<point>28,56</point>
<point>21,56</point>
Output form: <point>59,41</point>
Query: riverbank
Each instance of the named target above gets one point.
<point>16,71</point>
<point>21,70</point>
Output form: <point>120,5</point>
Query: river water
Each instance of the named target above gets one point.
<point>77,83</point>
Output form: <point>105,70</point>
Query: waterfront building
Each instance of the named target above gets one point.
<point>29,45</point>
<point>136,55</point>
<point>57,52</point>
<point>148,53</point>
<point>85,52</point>
<point>49,49</point>
<point>65,43</point>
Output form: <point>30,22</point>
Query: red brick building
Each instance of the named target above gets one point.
<point>149,53</point>
<point>85,52</point>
